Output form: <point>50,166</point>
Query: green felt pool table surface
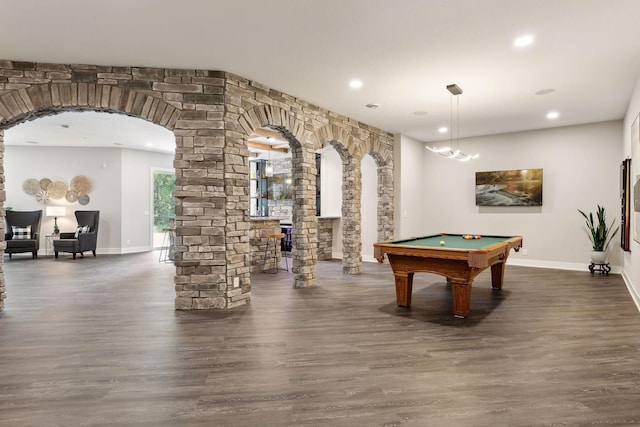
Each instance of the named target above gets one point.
<point>455,241</point>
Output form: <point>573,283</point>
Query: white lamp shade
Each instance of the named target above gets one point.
<point>55,211</point>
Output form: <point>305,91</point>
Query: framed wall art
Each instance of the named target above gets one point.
<point>625,195</point>
<point>518,187</point>
<point>636,208</point>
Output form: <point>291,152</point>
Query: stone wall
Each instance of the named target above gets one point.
<point>212,113</point>
<point>325,239</point>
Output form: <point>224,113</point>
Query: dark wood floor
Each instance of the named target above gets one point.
<point>97,342</point>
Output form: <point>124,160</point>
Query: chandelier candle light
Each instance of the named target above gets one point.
<point>55,212</point>
<point>450,152</point>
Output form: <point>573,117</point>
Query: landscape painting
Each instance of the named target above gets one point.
<point>518,187</point>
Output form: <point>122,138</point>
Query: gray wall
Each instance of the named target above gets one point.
<point>631,260</point>
<point>121,189</point>
<point>580,165</point>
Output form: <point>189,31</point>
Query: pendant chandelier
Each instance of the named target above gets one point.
<point>269,166</point>
<point>453,152</point>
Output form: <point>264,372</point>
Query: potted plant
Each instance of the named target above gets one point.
<point>600,234</point>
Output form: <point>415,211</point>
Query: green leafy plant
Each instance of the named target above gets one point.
<point>599,233</point>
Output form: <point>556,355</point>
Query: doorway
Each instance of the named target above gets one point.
<point>164,210</point>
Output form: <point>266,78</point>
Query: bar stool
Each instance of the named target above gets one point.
<point>168,248</point>
<point>273,256</point>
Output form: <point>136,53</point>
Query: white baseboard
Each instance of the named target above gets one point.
<point>615,269</point>
<point>107,251</point>
<point>369,259</point>
<point>632,290</point>
<point>132,250</point>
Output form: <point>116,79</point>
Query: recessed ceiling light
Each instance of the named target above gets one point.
<point>553,115</point>
<point>523,41</point>
<point>545,91</point>
<point>355,84</point>
<point>372,106</point>
<point>149,144</point>
<point>443,129</point>
<point>118,143</point>
<point>420,113</point>
<point>32,142</point>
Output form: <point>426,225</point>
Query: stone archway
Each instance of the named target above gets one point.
<point>349,149</point>
<point>179,100</point>
<point>304,234</point>
<point>352,146</point>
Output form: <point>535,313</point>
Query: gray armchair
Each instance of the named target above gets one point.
<point>18,244</point>
<point>79,242</point>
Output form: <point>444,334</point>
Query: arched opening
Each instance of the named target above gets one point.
<point>303,174</point>
<point>115,153</point>
<point>40,101</point>
<point>350,220</point>
<point>271,198</point>
<point>330,213</point>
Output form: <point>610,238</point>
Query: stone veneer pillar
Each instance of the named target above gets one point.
<point>385,202</point>
<point>351,216</point>
<point>305,228</point>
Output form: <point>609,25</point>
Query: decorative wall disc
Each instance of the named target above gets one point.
<point>71,196</point>
<point>44,183</point>
<point>57,190</point>
<point>31,186</point>
<point>81,184</point>
<point>84,199</point>
<point>42,197</point>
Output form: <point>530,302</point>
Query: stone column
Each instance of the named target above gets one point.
<point>386,225</point>
<point>351,217</point>
<point>201,257</point>
<point>236,173</point>
<point>305,227</point>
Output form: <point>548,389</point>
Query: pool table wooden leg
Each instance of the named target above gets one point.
<point>461,293</point>
<point>404,286</point>
<point>497,275</point>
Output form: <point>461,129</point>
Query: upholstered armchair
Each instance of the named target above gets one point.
<point>85,238</point>
<point>22,232</point>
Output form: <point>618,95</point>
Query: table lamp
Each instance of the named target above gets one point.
<point>55,212</point>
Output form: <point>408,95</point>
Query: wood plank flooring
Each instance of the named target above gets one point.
<point>97,342</point>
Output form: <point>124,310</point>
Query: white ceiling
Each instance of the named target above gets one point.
<point>93,129</point>
<point>404,51</point>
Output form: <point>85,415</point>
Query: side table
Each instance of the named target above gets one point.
<point>49,238</point>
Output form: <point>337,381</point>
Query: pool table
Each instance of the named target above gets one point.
<point>460,260</point>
